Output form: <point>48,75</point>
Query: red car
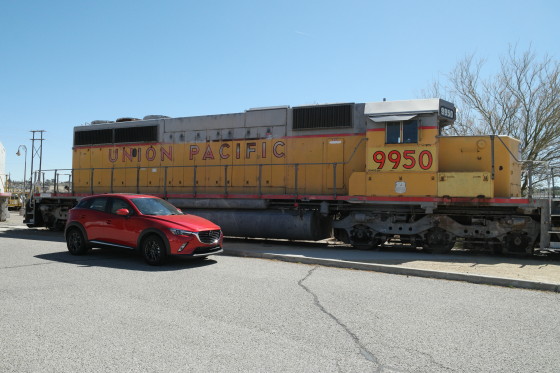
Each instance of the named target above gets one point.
<point>148,224</point>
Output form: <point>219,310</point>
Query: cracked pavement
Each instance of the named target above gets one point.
<point>255,315</point>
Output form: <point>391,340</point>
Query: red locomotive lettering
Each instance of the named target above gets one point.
<point>222,155</point>
<point>428,164</point>
<point>379,158</point>
<point>164,153</point>
<point>395,158</point>
<point>425,159</point>
<point>208,153</point>
<point>194,150</point>
<point>150,154</point>
<point>276,152</point>
<point>409,156</point>
<point>113,157</point>
<point>250,149</point>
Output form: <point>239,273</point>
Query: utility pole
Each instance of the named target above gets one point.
<point>37,151</point>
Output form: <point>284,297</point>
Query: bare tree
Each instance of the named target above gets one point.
<point>522,100</point>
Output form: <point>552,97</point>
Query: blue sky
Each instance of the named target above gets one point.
<point>65,63</point>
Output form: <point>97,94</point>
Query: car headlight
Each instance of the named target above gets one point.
<point>181,232</point>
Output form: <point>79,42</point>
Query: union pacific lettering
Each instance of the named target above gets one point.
<point>249,150</point>
<point>137,154</point>
<point>209,151</point>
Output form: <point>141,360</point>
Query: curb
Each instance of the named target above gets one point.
<point>396,270</point>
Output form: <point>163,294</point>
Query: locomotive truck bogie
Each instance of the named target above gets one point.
<point>439,232</point>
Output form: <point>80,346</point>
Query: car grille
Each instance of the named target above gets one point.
<point>209,236</point>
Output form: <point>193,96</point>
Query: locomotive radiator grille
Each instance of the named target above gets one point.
<point>209,236</point>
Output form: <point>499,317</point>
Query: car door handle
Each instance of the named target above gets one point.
<point>109,221</point>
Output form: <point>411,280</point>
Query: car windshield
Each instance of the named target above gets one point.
<point>155,206</point>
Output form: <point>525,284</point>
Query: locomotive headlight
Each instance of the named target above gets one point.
<point>180,232</point>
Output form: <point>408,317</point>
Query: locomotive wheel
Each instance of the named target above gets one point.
<point>438,241</point>
<point>517,243</point>
<point>363,238</point>
<point>496,246</point>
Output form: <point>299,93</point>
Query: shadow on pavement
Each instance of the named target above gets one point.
<point>386,255</point>
<point>121,259</point>
<point>324,249</point>
<point>32,234</point>
<point>109,258</point>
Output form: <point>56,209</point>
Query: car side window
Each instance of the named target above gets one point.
<point>84,203</point>
<point>99,204</point>
<point>120,204</point>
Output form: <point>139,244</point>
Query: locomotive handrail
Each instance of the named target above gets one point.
<point>529,167</point>
<point>95,170</point>
<point>530,181</point>
<point>70,187</point>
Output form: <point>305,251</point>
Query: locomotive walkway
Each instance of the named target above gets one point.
<point>540,272</point>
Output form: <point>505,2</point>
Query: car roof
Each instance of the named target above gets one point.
<point>125,195</point>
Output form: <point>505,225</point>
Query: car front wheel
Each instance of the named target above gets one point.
<point>153,250</point>
<point>76,243</point>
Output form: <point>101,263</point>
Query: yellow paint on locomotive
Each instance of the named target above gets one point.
<point>466,154</point>
<point>465,184</point>
<point>347,164</point>
<point>403,169</point>
<point>302,165</point>
<point>391,184</point>
<point>454,166</point>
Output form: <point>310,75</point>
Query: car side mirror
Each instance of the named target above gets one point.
<point>123,212</point>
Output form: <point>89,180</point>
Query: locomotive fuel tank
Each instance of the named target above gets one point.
<point>291,225</point>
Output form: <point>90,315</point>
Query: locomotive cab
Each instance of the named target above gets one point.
<point>402,148</point>
<point>407,155</point>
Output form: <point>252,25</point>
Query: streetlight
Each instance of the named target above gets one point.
<point>24,167</point>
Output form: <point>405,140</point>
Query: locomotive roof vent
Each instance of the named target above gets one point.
<point>101,121</point>
<point>148,117</point>
<point>322,116</point>
<point>126,119</point>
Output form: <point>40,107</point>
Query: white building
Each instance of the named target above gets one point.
<point>3,176</point>
<point>4,196</point>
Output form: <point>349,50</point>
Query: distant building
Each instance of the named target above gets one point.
<point>4,197</point>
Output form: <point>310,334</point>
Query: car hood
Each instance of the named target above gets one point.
<point>188,222</point>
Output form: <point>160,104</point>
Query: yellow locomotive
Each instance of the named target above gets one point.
<point>365,172</point>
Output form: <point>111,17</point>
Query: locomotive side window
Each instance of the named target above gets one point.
<point>393,132</point>
<point>410,131</point>
<point>405,132</point>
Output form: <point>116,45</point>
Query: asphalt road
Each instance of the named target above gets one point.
<point>109,312</point>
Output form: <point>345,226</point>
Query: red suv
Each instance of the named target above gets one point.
<point>148,224</point>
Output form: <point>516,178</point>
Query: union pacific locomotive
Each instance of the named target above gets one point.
<point>365,173</point>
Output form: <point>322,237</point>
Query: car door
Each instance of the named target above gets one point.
<point>121,230</point>
<point>94,218</point>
